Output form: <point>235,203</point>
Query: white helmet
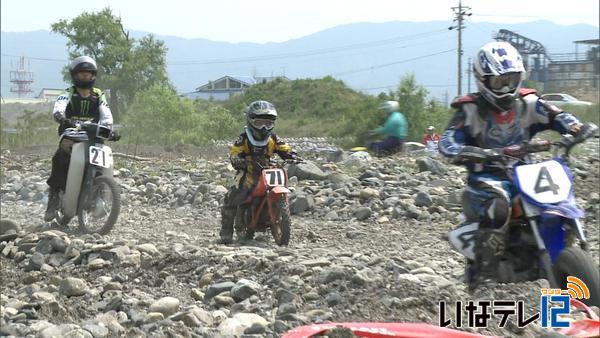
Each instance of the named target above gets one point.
<point>499,73</point>
<point>83,63</point>
<point>390,106</point>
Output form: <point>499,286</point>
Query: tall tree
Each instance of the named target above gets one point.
<point>125,65</point>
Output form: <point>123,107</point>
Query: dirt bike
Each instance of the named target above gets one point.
<point>368,147</point>
<point>266,206</point>
<point>545,224</point>
<point>91,193</point>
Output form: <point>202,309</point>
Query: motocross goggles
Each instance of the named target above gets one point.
<point>505,83</point>
<point>265,123</point>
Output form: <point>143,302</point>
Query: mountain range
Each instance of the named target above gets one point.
<point>371,57</point>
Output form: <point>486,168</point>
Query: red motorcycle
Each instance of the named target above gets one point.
<point>266,206</point>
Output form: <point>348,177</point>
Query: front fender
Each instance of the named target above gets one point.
<point>280,190</point>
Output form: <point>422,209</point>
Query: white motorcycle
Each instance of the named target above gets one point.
<point>91,193</point>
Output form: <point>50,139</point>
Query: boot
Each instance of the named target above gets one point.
<point>227,220</point>
<point>53,203</point>
<point>489,250</point>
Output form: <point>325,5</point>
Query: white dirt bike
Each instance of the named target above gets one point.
<point>91,193</point>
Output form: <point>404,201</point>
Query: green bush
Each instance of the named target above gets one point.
<point>159,116</point>
<point>31,128</point>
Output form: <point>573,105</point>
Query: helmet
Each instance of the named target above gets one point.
<point>390,106</point>
<point>260,119</point>
<point>79,64</point>
<point>499,73</point>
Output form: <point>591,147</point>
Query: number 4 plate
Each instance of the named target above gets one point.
<point>545,182</point>
<point>101,156</point>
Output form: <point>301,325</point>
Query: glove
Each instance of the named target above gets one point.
<point>470,154</point>
<point>67,123</point>
<point>115,136</point>
<point>238,163</point>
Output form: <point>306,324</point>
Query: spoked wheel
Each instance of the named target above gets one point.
<point>281,229</point>
<point>103,210</point>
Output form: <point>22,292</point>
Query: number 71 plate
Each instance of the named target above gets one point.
<point>101,156</point>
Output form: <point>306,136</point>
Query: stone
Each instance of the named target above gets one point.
<point>301,204</point>
<point>243,289</point>
<point>306,170</point>
<point>166,305</point>
<point>216,289</point>
<point>423,199</point>
<point>239,323</point>
<point>71,286</point>
<point>362,213</point>
<point>432,165</point>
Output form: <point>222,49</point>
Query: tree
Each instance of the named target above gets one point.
<point>125,65</point>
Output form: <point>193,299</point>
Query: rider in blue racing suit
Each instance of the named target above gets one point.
<point>501,114</point>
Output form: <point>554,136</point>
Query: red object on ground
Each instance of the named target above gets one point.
<point>378,330</point>
<point>587,327</point>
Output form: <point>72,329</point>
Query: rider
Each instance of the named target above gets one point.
<point>501,114</point>
<point>79,103</point>
<point>394,129</point>
<point>255,146</point>
<point>431,138</point>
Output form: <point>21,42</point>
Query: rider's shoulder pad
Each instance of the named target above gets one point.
<point>459,101</point>
<point>527,91</point>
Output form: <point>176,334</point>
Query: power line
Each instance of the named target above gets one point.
<point>391,63</point>
<point>35,58</point>
<point>422,85</point>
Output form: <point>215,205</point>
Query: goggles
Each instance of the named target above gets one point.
<point>504,83</point>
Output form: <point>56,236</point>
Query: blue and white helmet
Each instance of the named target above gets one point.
<point>499,73</point>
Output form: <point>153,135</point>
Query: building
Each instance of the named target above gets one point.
<point>224,88</point>
<point>49,94</point>
<point>575,71</point>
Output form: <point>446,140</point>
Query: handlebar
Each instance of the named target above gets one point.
<point>566,143</point>
<point>97,130</point>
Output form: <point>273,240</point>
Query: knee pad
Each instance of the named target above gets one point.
<point>495,213</point>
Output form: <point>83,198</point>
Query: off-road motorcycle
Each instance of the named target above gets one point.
<point>91,193</point>
<point>545,237</point>
<point>266,206</point>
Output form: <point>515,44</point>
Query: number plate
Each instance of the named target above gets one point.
<point>101,156</point>
<point>545,182</point>
<point>274,177</point>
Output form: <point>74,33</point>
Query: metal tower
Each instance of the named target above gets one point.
<point>21,79</point>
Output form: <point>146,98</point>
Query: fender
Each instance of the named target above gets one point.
<point>527,91</point>
<point>74,178</point>
<point>470,98</point>
<point>280,190</point>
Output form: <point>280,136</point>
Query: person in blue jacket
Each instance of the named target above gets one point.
<point>394,130</point>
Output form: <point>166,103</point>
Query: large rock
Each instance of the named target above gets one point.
<point>358,159</point>
<point>301,204</point>
<point>423,199</point>
<point>7,225</point>
<point>243,289</point>
<point>239,323</point>
<point>362,213</point>
<point>306,171</point>
<point>430,164</point>
<point>71,286</point>
<point>166,305</point>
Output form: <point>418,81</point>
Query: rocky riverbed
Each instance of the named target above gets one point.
<point>367,245</point>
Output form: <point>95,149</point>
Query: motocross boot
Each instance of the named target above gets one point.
<point>53,203</point>
<point>489,249</point>
<point>227,220</point>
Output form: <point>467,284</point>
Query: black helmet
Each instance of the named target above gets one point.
<point>83,63</point>
<point>260,118</point>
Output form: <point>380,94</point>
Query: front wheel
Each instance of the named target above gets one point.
<point>575,262</point>
<point>241,225</point>
<point>103,210</point>
<point>281,229</point>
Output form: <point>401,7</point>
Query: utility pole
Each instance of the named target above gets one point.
<point>459,13</point>
<point>469,69</point>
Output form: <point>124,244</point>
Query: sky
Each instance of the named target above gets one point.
<point>264,21</point>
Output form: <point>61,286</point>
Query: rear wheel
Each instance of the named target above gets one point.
<point>281,229</point>
<point>102,213</point>
<point>575,262</point>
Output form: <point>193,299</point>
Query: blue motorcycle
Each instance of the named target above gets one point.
<point>545,236</point>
